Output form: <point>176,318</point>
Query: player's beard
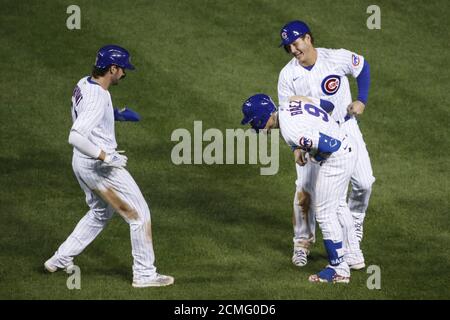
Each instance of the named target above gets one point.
<point>115,81</point>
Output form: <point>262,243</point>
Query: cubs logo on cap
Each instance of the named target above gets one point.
<point>330,84</point>
<point>292,31</point>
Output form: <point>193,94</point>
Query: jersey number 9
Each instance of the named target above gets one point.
<point>316,112</point>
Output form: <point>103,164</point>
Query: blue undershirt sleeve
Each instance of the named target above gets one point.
<point>363,81</point>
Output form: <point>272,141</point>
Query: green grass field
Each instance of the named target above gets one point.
<point>223,231</point>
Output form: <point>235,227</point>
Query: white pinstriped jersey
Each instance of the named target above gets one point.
<point>326,80</point>
<point>302,123</point>
<point>93,115</point>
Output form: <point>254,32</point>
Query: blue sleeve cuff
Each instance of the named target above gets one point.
<point>326,105</point>
<point>363,81</point>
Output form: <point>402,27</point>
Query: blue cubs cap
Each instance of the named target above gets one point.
<point>257,110</point>
<point>292,31</point>
<point>112,54</point>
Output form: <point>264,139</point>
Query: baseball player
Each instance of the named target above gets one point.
<point>304,201</point>
<point>100,171</point>
<point>315,137</point>
<point>322,73</point>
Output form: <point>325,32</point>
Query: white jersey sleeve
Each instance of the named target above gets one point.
<point>349,62</point>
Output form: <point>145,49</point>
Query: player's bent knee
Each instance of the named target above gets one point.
<point>122,207</point>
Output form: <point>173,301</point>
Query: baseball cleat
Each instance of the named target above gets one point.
<point>159,280</point>
<point>357,266</point>
<point>49,267</point>
<point>300,257</point>
<point>52,268</point>
<point>328,275</point>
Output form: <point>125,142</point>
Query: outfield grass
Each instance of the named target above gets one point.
<point>224,232</point>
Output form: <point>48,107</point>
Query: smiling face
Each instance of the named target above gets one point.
<point>303,50</point>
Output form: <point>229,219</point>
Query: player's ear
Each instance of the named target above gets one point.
<point>307,38</point>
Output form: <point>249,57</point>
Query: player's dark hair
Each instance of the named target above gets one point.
<point>311,36</point>
<point>99,72</point>
<point>286,48</point>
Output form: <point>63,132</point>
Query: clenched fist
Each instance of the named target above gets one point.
<point>355,108</point>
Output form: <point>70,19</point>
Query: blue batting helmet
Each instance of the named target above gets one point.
<point>292,31</point>
<point>112,54</point>
<point>257,110</point>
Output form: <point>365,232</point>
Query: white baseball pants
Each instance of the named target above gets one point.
<point>110,190</point>
<point>362,178</point>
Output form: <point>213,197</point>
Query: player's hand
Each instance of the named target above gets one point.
<point>300,157</point>
<point>355,108</point>
<point>115,159</point>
